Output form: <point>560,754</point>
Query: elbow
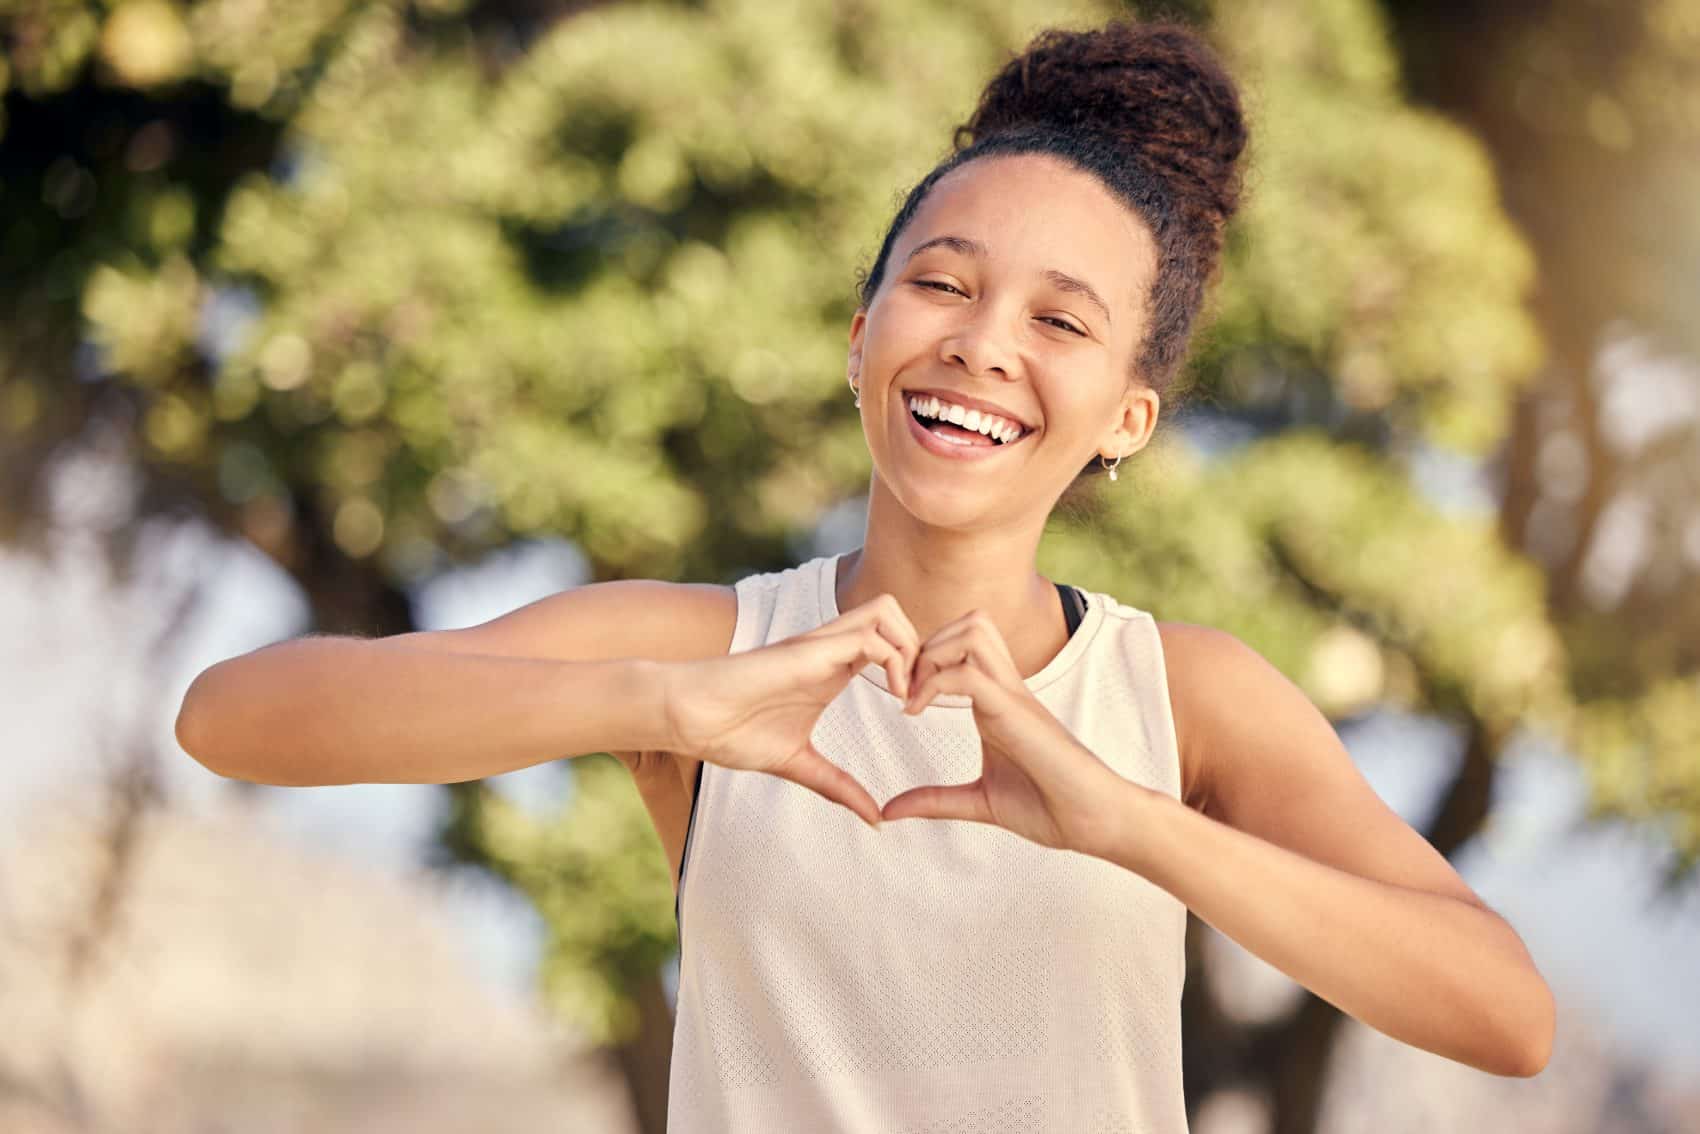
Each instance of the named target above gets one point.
<point>1542,1053</point>
<point>1534,1059</point>
<point>197,736</point>
<point>204,750</point>
<point>1537,1034</point>
<point>192,733</point>
<point>223,736</point>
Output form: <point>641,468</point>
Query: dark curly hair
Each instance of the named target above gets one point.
<point>1148,109</point>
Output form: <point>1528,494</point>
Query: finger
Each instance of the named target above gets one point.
<point>877,648</point>
<point>895,626</point>
<point>882,651</point>
<point>980,636</point>
<point>948,674</point>
<point>887,618</point>
<point>854,649</point>
<point>872,646</point>
<point>942,650</point>
<point>991,648</point>
<point>971,635</point>
<point>940,801</point>
<point>810,769</point>
<point>883,609</point>
<point>897,675</point>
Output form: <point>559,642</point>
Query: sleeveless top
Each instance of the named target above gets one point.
<point>934,976</point>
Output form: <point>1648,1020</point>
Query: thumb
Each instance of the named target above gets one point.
<point>941,801</point>
<point>810,769</point>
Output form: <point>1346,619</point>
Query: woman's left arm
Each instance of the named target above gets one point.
<point>1296,858</point>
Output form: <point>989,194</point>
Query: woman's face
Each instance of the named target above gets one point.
<point>1020,284</point>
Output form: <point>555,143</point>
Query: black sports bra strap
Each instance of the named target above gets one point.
<point>1074,606</point>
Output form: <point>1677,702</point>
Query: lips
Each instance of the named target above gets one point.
<point>963,450</point>
<point>966,402</point>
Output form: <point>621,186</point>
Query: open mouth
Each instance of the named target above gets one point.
<point>958,427</point>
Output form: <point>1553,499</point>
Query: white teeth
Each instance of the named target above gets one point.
<point>988,424</point>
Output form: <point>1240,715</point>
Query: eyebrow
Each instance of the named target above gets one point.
<point>970,247</point>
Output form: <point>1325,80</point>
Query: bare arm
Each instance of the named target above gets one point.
<point>1299,860</point>
<point>577,672</point>
<point>330,710</point>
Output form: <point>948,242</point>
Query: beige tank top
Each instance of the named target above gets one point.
<point>934,976</point>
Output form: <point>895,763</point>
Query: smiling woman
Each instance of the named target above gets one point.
<point>1026,314</point>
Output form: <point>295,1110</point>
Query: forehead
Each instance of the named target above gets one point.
<point>1035,212</point>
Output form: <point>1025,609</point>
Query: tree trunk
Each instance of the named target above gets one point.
<point>647,1059</point>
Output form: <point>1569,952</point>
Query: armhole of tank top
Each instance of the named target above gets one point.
<point>743,630</point>
<point>1164,705</point>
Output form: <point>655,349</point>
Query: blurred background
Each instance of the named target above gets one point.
<point>366,316</point>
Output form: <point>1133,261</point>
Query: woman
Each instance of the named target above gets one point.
<point>1017,962</point>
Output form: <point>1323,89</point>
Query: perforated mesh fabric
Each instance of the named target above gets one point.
<point>932,977</point>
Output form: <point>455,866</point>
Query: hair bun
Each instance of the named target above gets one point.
<point>1156,91</point>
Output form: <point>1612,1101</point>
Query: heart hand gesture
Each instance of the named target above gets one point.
<point>755,711</point>
<point>1036,779</point>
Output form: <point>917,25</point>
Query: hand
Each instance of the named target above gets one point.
<point>1036,779</point>
<point>754,711</point>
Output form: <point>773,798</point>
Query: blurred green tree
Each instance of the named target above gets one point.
<point>381,286</point>
<point>1591,114</point>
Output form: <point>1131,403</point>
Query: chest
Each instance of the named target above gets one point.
<point>843,945</point>
<point>667,782</point>
<point>864,732</point>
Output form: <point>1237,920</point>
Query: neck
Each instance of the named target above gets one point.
<point>938,575</point>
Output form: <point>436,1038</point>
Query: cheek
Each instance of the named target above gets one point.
<point>890,359</point>
<point>1074,410</point>
<point>907,320</point>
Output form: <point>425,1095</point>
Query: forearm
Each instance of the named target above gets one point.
<point>1427,969</point>
<point>343,710</point>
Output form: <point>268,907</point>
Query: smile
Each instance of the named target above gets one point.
<point>946,440</point>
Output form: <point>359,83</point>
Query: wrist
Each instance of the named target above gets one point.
<point>662,681</point>
<point>1124,825</point>
<point>624,703</point>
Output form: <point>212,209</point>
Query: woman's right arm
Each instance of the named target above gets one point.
<point>577,672</point>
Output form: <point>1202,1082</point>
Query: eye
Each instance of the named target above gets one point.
<point>940,285</point>
<point>1064,324</point>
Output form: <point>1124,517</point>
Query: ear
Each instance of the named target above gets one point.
<point>1138,420</point>
<point>853,367</point>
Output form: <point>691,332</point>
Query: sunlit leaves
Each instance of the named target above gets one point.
<point>599,878</point>
<point>1372,247</point>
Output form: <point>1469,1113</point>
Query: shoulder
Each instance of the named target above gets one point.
<point>698,617</point>
<point>664,620</point>
<point>1221,691</point>
<point>618,618</point>
<point>1269,763</point>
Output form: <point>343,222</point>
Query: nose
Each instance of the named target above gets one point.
<point>979,347</point>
